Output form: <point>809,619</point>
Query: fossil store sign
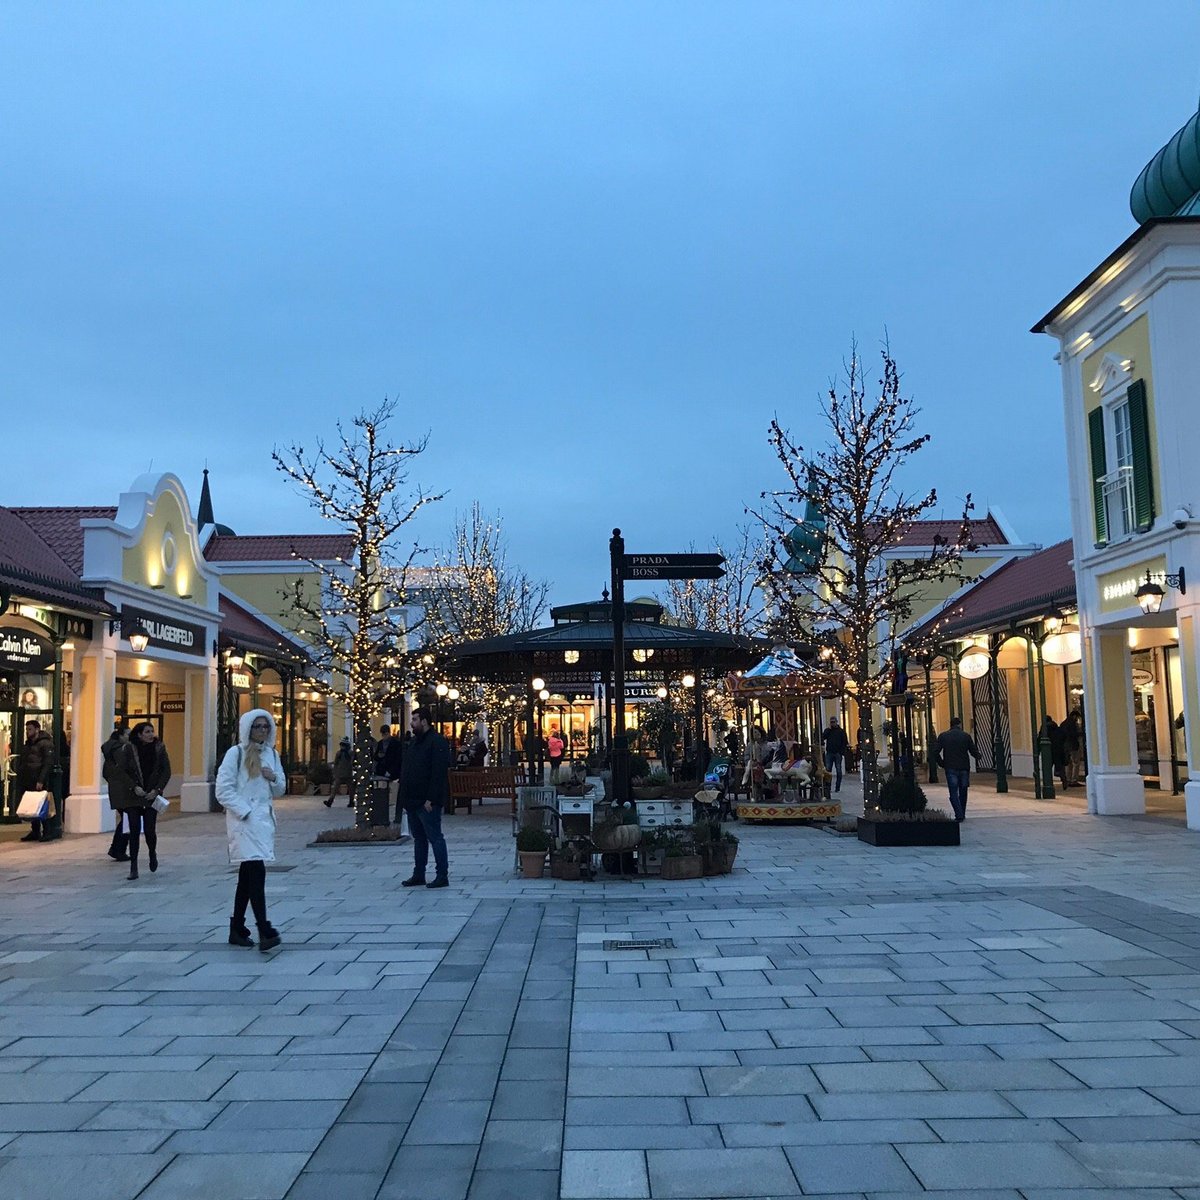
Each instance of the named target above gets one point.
<point>167,633</point>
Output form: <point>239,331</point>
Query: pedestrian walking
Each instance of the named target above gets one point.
<point>835,745</point>
<point>141,770</point>
<point>955,748</point>
<point>387,760</point>
<point>342,774</point>
<point>249,779</point>
<point>1072,738</point>
<point>554,750</point>
<point>33,775</point>
<point>424,791</point>
<point>118,850</point>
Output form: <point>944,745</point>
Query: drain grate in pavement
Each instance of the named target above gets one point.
<point>642,944</point>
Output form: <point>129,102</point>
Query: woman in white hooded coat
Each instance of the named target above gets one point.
<point>249,778</point>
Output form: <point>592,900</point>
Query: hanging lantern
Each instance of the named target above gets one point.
<point>1064,648</point>
<point>975,662</point>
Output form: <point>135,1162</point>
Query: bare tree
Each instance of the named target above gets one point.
<point>478,593</point>
<point>354,610</point>
<point>839,578</point>
<point>731,604</point>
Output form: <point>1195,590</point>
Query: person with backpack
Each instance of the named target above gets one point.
<point>249,780</point>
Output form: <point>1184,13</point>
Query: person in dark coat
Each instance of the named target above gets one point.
<point>424,792</point>
<point>954,749</point>
<point>33,773</point>
<point>836,745</point>
<point>120,839</point>
<point>142,770</point>
<point>1052,731</point>
<point>386,763</point>
<point>1072,749</point>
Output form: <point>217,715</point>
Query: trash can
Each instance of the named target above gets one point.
<point>377,810</point>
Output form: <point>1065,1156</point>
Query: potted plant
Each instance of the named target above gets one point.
<point>680,860</point>
<point>532,845</point>
<point>901,819</point>
<point>576,855</point>
<point>654,784</point>
<point>729,845</point>
<point>650,850</point>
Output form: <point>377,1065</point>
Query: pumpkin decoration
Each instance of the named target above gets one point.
<point>613,839</point>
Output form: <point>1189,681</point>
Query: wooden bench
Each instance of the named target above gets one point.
<point>483,783</point>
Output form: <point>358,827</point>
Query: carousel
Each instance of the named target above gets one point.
<point>787,692</point>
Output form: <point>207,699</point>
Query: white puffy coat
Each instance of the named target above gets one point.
<point>249,812</point>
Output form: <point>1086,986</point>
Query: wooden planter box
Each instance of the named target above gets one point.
<point>686,866</point>
<point>908,833</point>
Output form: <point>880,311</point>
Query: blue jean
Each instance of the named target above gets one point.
<point>958,782</point>
<point>425,825</point>
<point>833,763</point>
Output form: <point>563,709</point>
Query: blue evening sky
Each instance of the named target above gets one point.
<point>591,247</point>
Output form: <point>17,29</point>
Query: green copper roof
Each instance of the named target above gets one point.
<point>1169,185</point>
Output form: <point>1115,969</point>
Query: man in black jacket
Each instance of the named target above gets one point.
<point>389,756</point>
<point>33,775</point>
<point>955,748</point>
<point>424,790</point>
<point>836,744</point>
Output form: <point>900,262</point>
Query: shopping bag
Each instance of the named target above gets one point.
<point>161,803</point>
<point>34,806</point>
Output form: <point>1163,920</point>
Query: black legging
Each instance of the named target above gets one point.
<point>139,819</point>
<point>252,890</point>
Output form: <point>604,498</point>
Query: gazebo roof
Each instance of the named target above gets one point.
<point>671,647</point>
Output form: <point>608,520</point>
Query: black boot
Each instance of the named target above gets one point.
<point>32,837</point>
<point>415,881</point>
<point>268,937</point>
<point>120,844</point>
<point>133,870</point>
<point>239,934</point>
<point>153,861</point>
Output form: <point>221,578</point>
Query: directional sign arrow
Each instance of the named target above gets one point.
<point>673,560</point>
<point>674,572</point>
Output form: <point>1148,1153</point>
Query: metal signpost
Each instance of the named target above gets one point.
<point>641,566</point>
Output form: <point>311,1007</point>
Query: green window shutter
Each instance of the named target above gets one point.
<point>1099,470</point>
<point>1139,435</point>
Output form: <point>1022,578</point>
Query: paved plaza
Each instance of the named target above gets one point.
<point>1015,1018</point>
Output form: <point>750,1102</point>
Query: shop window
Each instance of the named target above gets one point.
<point>1119,445</point>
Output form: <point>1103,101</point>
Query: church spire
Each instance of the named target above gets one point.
<point>204,514</point>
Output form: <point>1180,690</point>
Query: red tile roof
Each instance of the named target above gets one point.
<point>985,531</point>
<point>1020,589</point>
<point>240,548</point>
<point>243,627</point>
<point>59,528</point>
<point>37,569</point>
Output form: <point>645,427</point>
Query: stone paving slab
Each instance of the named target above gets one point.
<point>1016,1019</point>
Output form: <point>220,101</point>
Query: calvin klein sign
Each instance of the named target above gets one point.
<point>166,633</point>
<point>23,652</point>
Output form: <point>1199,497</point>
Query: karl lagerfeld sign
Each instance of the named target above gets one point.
<point>166,633</point>
<point>23,652</point>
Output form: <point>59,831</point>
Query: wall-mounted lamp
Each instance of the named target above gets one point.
<point>571,656</point>
<point>139,637</point>
<point>235,660</point>
<point>1054,620</point>
<point>1150,594</point>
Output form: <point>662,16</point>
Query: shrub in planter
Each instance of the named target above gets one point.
<point>905,829</point>
<point>353,834</point>
<point>532,845</point>
<point>901,795</point>
<point>639,768</point>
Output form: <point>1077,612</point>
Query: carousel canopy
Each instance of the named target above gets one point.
<point>783,670</point>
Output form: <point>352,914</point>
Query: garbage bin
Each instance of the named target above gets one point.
<point>377,810</point>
